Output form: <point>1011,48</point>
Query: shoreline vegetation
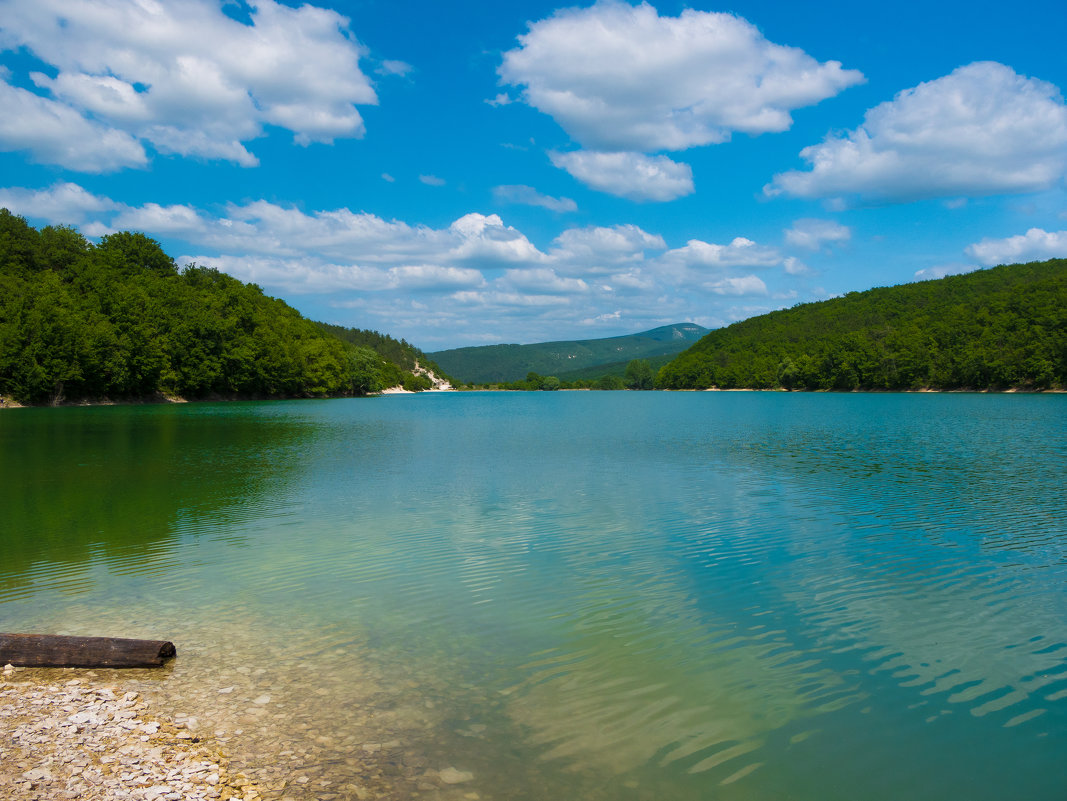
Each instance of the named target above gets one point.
<point>161,401</point>
<point>997,329</point>
<point>117,323</point>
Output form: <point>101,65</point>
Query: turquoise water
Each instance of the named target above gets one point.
<point>581,595</point>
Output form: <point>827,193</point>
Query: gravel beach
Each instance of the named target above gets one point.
<point>78,740</point>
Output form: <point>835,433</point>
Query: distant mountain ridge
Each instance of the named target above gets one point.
<point>485,364</point>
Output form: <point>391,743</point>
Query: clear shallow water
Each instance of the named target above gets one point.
<point>578,595</point>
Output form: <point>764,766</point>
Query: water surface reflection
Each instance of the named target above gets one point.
<point>586,595</point>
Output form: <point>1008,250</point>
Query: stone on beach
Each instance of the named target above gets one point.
<point>69,741</point>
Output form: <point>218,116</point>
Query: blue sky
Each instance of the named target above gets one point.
<point>470,172</point>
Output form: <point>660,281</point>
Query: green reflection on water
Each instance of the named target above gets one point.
<point>121,483</point>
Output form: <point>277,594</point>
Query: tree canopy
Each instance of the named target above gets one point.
<point>119,320</point>
<point>1000,328</point>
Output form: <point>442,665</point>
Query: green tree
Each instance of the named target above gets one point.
<point>609,382</point>
<point>639,374</point>
<point>136,252</point>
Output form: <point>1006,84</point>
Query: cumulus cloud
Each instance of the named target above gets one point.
<point>486,239</point>
<point>57,134</point>
<point>474,275</point>
<point>543,280</point>
<point>622,78</point>
<point>812,234</point>
<point>981,130</point>
<point>295,276</point>
<point>432,180</point>
<point>62,203</point>
<point>301,276</point>
<point>1035,245</point>
<point>634,176</point>
<point>599,248</point>
<point>741,252</point>
<point>182,76</point>
<point>528,196</point>
<point>740,285</point>
<point>172,220</point>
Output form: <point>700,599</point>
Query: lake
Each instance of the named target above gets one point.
<point>573,595</point>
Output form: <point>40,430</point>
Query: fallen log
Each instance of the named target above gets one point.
<point>54,650</point>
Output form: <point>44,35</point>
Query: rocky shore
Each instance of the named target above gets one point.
<point>112,735</point>
<point>80,740</point>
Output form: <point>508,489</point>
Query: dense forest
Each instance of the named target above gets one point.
<point>118,320</point>
<point>992,329</point>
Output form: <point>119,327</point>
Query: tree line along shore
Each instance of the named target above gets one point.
<point>996,329</point>
<point>991,330</point>
<point>119,321</point>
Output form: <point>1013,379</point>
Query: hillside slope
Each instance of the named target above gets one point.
<point>498,363</point>
<point>118,320</point>
<point>991,329</point>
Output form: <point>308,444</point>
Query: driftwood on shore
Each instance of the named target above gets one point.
<point>54,650</point>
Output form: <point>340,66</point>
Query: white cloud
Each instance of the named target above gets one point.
<point>630,175</point>
<point>180,75</point>
<point>304,276</point>
<point>434,276</point>
<point>981,130</point>
<point>62,203</point>
<point>812,234</point>
<point>615,315</point>
<point>486,239</point>
<point>161,220</point>
<point>741,252</point>
<point>387,177</point>
<point>504,299</point>
<point>477,274</point>
<point>622,78</point>
<point>741,285</point>
<point>394,67</point>
<point>1035,245</point>
<point>599,249</point>
<point>340,234</point>
<point>297,276</point>
<point>543,280</point>
<point>57,134</point>
<point>432,180</point>
<point>637,280</point>
<point>529,196</point>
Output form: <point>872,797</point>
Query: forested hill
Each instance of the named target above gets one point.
<point>1000,328</point>
<point>399,352</point>
<point>119,320</point>
<point>499,363</point>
